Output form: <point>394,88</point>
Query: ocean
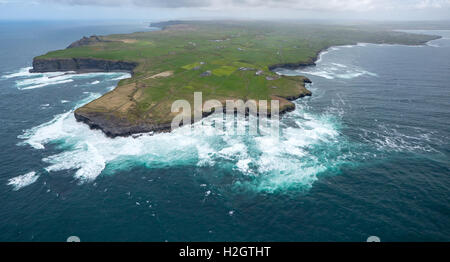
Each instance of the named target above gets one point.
<point>367,155</point>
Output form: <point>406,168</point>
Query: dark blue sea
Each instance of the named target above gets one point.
<point>367,155</point>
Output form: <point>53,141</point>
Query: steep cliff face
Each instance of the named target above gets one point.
<point>112,126</point>
<point>80,65</point>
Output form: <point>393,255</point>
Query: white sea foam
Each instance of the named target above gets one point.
<point>23,180</point>
<point>321,55</point>
<point>389,138</point>
<point>284,163</point>
<point>40,135</point>
<point>339,65</point>
<point>125,76</point>
<point>432,44</point>
<point>46,84</point>
<point>110,88</point>
<point>333,71</point>
<point>21,73</point>
<point>41,80</point>
<point>271,164</point>
<point>38,80</point>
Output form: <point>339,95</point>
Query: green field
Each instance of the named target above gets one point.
<point>219,59</point>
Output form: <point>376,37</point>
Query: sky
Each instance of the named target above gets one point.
<point>157,10</point>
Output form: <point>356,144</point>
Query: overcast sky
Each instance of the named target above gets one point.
<point>253,9</point>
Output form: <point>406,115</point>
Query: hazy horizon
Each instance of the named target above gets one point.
<point>155,10</point>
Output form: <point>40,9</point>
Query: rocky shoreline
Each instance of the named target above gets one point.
<point>110,125</point>
<point>294,65</point>
<point>113,126</point>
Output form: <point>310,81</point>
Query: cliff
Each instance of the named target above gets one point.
<point>113,125</point>
<point>42,65</point>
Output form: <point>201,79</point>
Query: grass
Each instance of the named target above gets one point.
<point>224,70</point>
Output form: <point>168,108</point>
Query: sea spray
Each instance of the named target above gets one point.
<point>22,181</point>
<point>265,162</point>
<point>26,80</point>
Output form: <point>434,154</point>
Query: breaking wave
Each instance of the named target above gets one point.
<point>23,72</point>
<point>23,180</point>
<point>25,80</point>
<point>264,162</point>
<point>330,70</point>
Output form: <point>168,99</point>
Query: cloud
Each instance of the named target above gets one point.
<point>316,5</point>
<point>422,4</point>
<point>142,3</point>
<point>195,9</point>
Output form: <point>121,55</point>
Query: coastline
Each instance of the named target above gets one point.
<point>325,50</point>
<point>81,65</point>
<point>113,126</point>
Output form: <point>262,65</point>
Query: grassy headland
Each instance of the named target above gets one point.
<point>223,60</point>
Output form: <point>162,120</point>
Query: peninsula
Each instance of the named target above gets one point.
<point>222,59</point>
